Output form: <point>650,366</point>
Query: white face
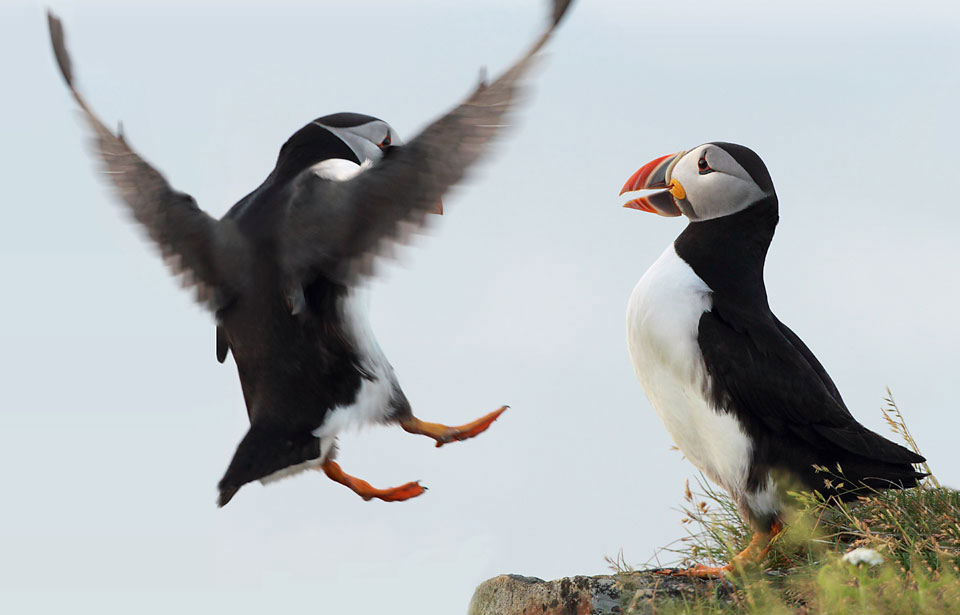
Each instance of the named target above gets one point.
<point>715,184</point>
<point>367,140</point>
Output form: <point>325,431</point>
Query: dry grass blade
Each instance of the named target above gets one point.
<point>894,418</point>
<point>916,531</point>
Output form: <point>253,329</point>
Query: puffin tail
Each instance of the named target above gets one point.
<point>857,477</point>
<point>885,475</point>
<point>866,461</point>
<point>261,453</point>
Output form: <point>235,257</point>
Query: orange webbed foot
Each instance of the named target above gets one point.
<point>395,494</point>
<point>444,434</point>
<point>751,556</point>
<point>367,491</point>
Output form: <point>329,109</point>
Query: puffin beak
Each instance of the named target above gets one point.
<point>437,208</point>
<point>655,175</point>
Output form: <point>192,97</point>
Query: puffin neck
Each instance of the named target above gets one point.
<point>728,253</point>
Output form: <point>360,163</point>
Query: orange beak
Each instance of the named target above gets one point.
<point>437,208</point>
<point>654,176</point>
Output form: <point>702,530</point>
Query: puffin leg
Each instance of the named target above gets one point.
<point>444,434</point>
<point>753,554</point>
<point>365,490</point>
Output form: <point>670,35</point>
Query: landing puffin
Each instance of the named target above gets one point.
<point>742,396</point>
<point>281,270</point>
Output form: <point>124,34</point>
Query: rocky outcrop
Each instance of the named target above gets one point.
<point>628,593</point>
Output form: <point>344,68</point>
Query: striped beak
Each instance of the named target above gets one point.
<point>655,175</point>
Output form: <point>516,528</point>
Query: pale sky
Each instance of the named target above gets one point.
<point>116,421</point>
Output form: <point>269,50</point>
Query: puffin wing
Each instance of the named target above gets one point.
<point>191,242</point>
<point>769,378</point>
<point>812,361</point>
<point>338,228</point>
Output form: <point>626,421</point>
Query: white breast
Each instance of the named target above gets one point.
<point>372,404</point>
<point>663,318</point>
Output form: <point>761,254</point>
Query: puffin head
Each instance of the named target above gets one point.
<point>339,146</point>
<point>352,137</point>
<point>710,181</point>
<point>366,136</point>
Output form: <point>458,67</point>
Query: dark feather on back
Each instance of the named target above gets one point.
<point>766,376</point>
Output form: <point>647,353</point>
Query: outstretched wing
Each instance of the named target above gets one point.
<point>336,228</point>
<point>760,373</point>
<point>194,244</point>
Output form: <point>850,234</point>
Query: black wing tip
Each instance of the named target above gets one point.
<point>60,47</point>
<point>54,22</point>
<point>559,10</point>
<point>908,456</point>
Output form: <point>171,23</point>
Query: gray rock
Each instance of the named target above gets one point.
<point>628,593</point>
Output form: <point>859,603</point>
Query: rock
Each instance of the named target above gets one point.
<point>628,593</point>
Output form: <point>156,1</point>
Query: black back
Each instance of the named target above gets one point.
<point>766,376</point>
<point>293,370</point>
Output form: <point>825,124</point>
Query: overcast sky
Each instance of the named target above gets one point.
<point>116,421</point>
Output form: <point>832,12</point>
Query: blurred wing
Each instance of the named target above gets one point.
<point>191,242</point>
<point>338,228</point>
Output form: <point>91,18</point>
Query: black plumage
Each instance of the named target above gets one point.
<point>277,269</point>
<point>741,394</point>
<point>763,373</point>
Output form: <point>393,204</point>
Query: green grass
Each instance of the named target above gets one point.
<point>916,531</point>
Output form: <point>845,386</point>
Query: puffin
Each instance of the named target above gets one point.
<point>283,271</point>
<point>744,399</point>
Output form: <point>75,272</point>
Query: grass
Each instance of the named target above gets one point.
<point>916,531</point>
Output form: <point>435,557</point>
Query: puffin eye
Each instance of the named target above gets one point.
<point>386,141</point>
<point>703,166</point>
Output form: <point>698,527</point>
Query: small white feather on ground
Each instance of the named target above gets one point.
<point>863,555</point>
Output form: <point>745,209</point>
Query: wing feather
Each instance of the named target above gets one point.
<point>336,228</point>
<point>192,243</point>
<point>759,372</point>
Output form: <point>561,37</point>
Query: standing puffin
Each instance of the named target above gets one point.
<point>742,396</point>
<point>280,271</point>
